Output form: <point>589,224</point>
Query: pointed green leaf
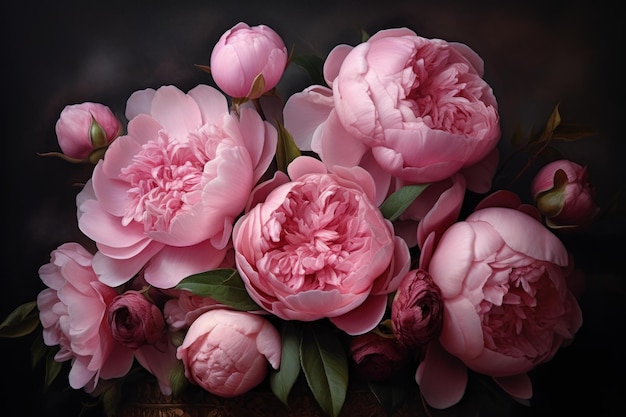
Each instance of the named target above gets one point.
<point>283,379</point>
<point>313,65</point>
<point>111,399</point>
<point>325,367</point>
<point>286,149</point>
<point>553,122</point>
<point>572,132</point>
<point>22,321</point>
<point>52,368</point>
<point>178,381</point>
<point>223,285</point>
<point>397,202</point>
<point>391,395</point>
<point>38,350</point>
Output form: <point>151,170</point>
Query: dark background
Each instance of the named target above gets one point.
<point>536,54</point>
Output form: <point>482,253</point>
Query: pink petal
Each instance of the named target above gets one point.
<point>442,378</point>
<point>212,104</point>
<point>517,386</point>
<point>333,62</point>
<point>176,111</point>
<point>363,318</point>
<point>305,111</point>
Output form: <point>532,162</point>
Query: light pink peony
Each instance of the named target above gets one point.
<point>417,107</point>
<point>562,193</point>
<point>317,247</point>
<point>227,352</point>
<point>182,310</point>
<point>83,127</point>
<point>167,193</point>
<point>73,312</point>
<point>504,281</point>
<point>247,62</point>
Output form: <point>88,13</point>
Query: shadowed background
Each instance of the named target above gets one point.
<point>536,55</point>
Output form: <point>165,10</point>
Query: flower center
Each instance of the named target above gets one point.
<point>164,179</point>
<point>520,320</point>
<point>313,236</point>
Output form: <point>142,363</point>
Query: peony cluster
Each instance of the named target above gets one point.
<point>219,230</point>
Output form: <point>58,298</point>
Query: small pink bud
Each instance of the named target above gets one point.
<point>563,195</point>
<point>417,310</point>
<point>247,62</point>
<point>135,321</point>
<point>377,355</point>
<point>85,128</point>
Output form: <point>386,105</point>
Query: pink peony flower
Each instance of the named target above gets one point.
<point>563,195</point>
<point>73,312</point>
<point>167,193</point>
<point>85,127</point>
<point>417,107</point>
<point>416,310</point>
<point>135,321</point>
<point>317,247</point>
<point>182,310</point>
<point>504,282</point>
<point>247,62</point>
<point>227,352</point>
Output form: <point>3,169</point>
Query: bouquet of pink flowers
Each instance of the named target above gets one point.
<point>351,230</point>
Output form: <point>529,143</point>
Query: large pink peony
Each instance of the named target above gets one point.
<point>73,312</point>
<point>418,108</point>
<point>166,194</point>
<point>317,247</point>
<point>504,281</point>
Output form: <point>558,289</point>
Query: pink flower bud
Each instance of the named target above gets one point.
<point>229,352</point>
<point>135,321</point>
<point>378,356</point>
<point>248,61</point>
<point>563,195</point>
<point>86,127</point>
<point>417,310</point>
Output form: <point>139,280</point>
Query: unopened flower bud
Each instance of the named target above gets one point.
<point>563,195</point>
<point>85,128</point>
<point>377,355</point>
<point>416,310</point>
<point>247,62</point>
<point>135,321</point>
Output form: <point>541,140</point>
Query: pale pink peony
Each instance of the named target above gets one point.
<point>419,106</point>
<point>563,194</point>
<point>83,127</point>
<point>317,247</point>
<point>73,312</point>
<point>227,352</point>
<point>504,281</point>
<point>248,61</point>
<point>166,194</point>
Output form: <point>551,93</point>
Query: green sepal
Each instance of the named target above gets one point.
<point>325,365</point>
<point>400,200</point>
<point>223,285</point>
<point>21,321</point>
<point>97,135</point>
<point>286,149</point>
<point>283,379</point>
<point>257,88</point>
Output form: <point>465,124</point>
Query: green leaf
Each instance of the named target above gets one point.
<point>178,381</point>
<point>223,285</point>
<point>572,132</point>
<point>111,399</point>
<point>313,65</point>
<point>38,350</point>
<point>52,368</point>
<point>553,122</point>
<point>391,396</point>
<point>22,321</point>
<point>325,367</point>
<point>283,379</point>
<point>397,202</point>
<point>286,149</point>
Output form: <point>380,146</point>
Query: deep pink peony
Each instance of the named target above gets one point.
<point>167,193</point>
<point>73,312</point>
<point>228,352</point>
<point>248,61</point>
<point>563,194</point>
<point>417,107</point>
<point>317,247</point>
<point>83,127</point>
<point>504,281</point>
<point>135,321</point>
